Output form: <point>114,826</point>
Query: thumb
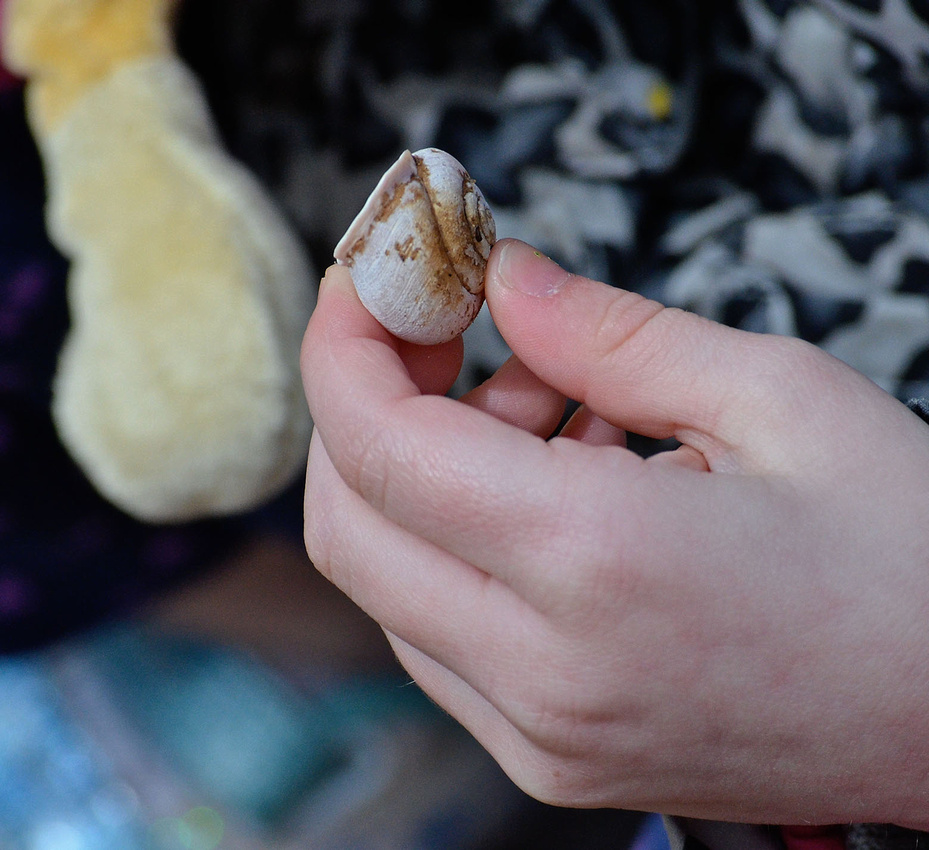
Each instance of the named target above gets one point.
<point>737,397</point>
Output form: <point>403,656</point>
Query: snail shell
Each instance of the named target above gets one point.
<point>419,247</point>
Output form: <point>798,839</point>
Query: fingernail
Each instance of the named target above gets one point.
<point>326,279</point>
<point>523,268</point>
<point>335,276</point>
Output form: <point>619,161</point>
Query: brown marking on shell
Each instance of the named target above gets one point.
<point>407,249</point>
<point>437,218</point>
<point>444,283</point>
<point>393,201</point>
<point>390,202</point>
<point>458,231</point>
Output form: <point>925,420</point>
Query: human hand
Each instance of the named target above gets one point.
<point>736,629</point>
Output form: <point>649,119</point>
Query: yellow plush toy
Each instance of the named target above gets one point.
<point>178,388</point>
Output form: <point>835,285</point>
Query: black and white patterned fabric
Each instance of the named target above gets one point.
<point>762,162</point>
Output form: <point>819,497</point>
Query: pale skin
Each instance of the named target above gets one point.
<point>733,630</point>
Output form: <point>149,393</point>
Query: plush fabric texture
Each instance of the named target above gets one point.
<point>178,389</point>
<point>68,557</point>
<point>68,46</point>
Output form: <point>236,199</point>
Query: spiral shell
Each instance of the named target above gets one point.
<point>419,247</point>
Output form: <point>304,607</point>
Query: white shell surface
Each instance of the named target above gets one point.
<point>418,249</point>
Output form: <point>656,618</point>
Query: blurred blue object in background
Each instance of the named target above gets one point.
<point>133,739</point>
<point>227,723</point>
<point>56,793</point>
<point>652,835</point>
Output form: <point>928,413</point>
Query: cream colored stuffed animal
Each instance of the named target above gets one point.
<point>178,388</point>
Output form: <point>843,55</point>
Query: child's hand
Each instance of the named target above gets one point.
<point>738,629</point>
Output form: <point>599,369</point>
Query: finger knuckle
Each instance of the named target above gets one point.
<point>368,454</point>
<point>317,530</point>
<point>627,327</point>
<point>556,779</point>
<point>317,551</point>
<point>788,374</point>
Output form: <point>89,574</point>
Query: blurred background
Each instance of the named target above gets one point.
<point>198,686</point>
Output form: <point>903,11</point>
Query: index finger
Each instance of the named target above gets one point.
<point>480,488</point>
